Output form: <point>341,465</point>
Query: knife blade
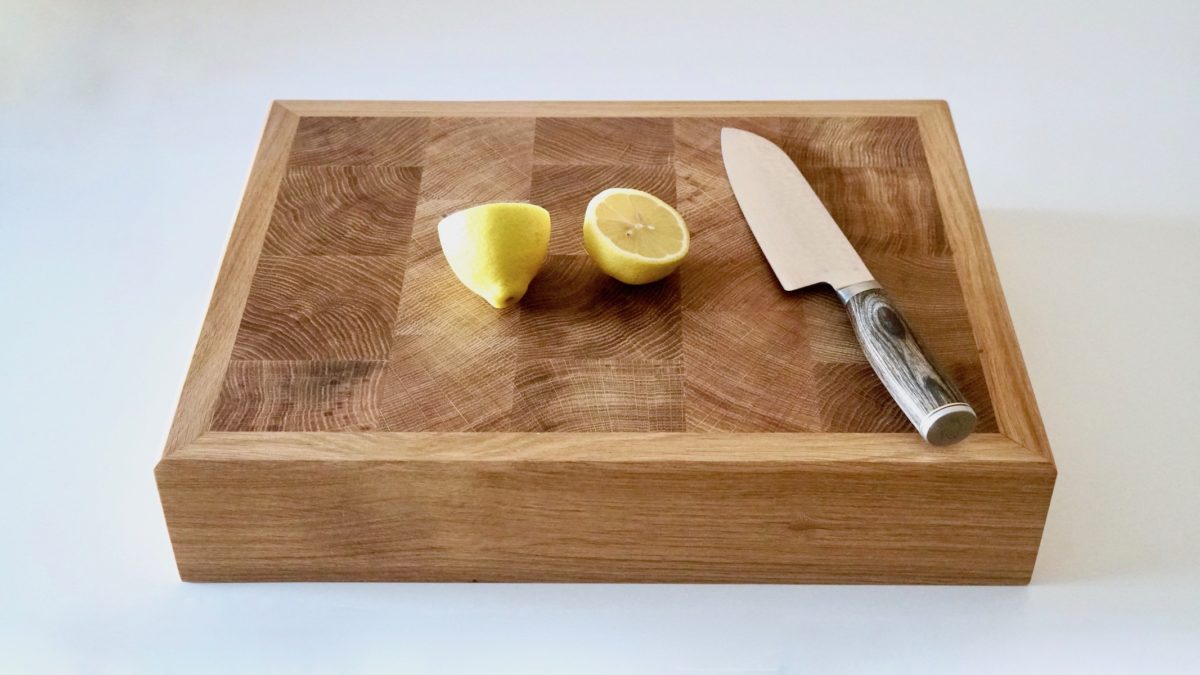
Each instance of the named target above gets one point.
<point>805,246</point>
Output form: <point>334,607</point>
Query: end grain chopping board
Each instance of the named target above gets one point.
<point>355,413</point>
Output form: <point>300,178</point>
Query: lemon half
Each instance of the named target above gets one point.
<point>634,236</point>
<point>496,249</point>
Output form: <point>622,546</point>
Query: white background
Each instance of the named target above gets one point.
<point>126,131</point>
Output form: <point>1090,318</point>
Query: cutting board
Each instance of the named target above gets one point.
<point>355,413</point>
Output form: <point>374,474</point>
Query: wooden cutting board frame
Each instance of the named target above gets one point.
<point>608,507</point>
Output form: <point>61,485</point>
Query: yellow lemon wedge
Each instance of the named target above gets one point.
<point>496,249</point>
<point>634,236</point>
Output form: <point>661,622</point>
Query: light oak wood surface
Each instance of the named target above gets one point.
<point>352,412</point>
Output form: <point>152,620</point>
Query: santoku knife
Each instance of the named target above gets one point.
<point>804,246</point>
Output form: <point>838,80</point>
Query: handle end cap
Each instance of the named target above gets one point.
<point>948,424</point>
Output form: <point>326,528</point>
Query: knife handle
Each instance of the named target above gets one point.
<point>928,398</point>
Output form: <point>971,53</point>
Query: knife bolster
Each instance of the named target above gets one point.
<point>847,292</point>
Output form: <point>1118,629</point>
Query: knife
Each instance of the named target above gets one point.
<point>804,246</point>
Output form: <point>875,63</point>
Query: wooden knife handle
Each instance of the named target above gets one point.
<point>930,400</point>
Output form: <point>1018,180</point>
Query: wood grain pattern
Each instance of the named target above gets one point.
<point>479,159</point>
<point>300,395</point>
<point>873,204</point>
<point>359,141</point>
<point>856,142</point>
<point>439,382</point>
<point>435,303</point>
<point>741,361</point>
<point>845,395</point>
<point>353,413</point>
<point>344,210</point>
<point>619,394</point>
<point>320,307</point>
<point>574,311</point>
<point>623,141</point>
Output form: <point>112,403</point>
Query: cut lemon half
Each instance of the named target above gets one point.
<point>634,236</point>
<point>496,249</point>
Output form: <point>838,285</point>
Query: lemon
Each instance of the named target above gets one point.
<point>634,236</point>
<point>496,249</point>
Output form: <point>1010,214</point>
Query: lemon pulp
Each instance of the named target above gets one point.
<point>634,236</point>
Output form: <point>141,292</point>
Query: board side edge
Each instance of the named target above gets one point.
<point>673,447</point>
<point>1000,354</point>
<point>237,520</point>
<point>567,108</point>
<point>210,358</point>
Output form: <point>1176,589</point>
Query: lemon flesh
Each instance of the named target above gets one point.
<point>496,249</point>
<point>634,236</point>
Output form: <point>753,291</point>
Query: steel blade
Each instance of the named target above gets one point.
<point>797,235</point>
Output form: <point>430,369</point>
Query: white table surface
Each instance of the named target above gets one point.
<point>126,131</point>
